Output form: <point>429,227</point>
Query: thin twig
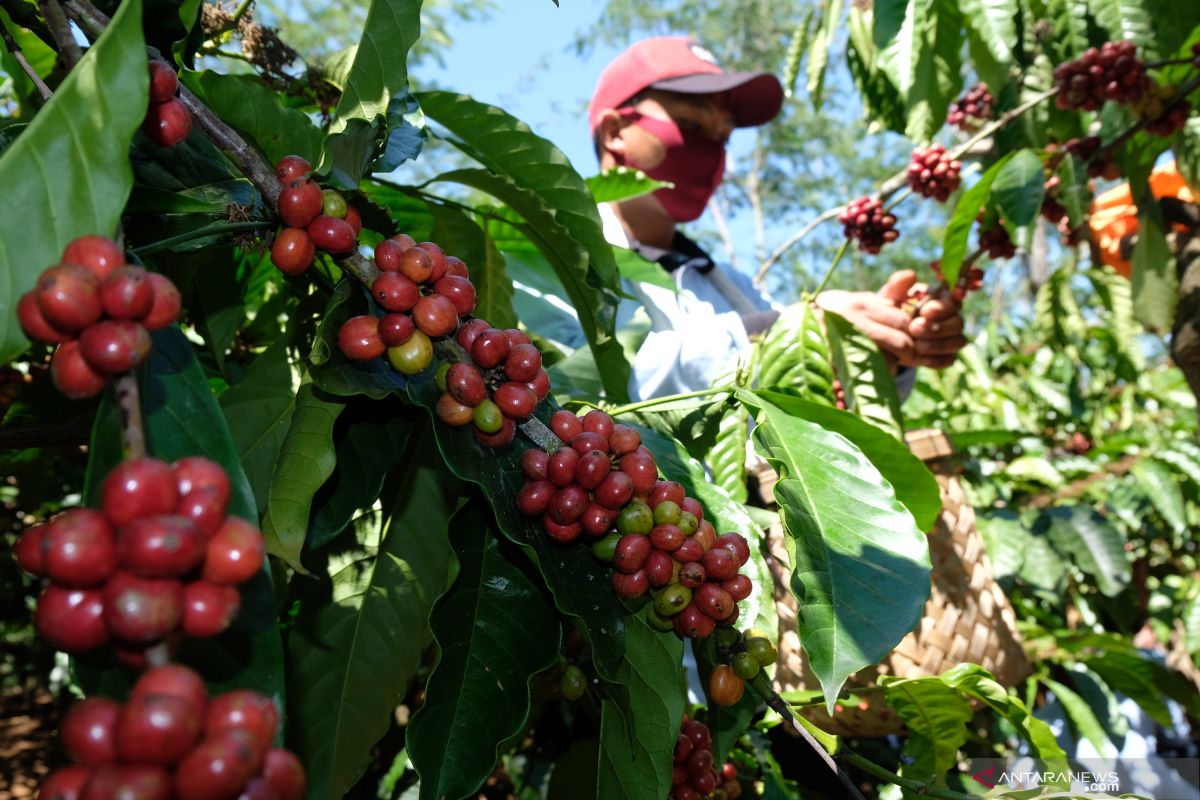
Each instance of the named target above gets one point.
<point>252,165</point>
<point>130,405</point>
<point>199,233</point>
<point>60,29</point>
<point>19,55</point>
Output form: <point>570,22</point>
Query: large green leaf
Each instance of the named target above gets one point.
<point>68,172</point>
<point>380,68</point>
<point>1162,488</point>
<point>868,384</point>
<point>954,240</point>
<point>912,482</point>
<point>861,565</point>
<point>1004,536</point>
<point>936,713</point>
<point>359,640</point>
<point>1155,292</point>
<point>795,356</point>
<point>1092,542</point>
<point>495,629</point>
<point>306,459</point>
<point>939,72</point>
<point>727,457</point>
<point>1082,717</point>
<point>637,738</point>
<point>881,100</point>
<point>995,22</point>
<point>818,52</point>
<point>622,183</point>
<point>1128,19</point>
<point>464,238</point>
<point>899,28</point>
<point>1019,188</point>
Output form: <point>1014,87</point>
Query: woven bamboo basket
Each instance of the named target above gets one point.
<point>967,617</point>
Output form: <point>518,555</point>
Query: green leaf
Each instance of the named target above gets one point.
<point>220,310</point>
<point>818,52</point>
<point>1155,291</point>
<point>406,133</point>
<point>638,270</point>
<point>861,566</point>
<point>623,183</point>
<point>1128,19</point>
<point>1082,717</point>
<point>1163,490</point>
<point>881,101</point>
<point>727,457</point>
<point>797,47</point>
<point>1115,292</point>
<point>380,69</point>
<point>349,154</point>
<point>358,642</point>
<point>1033,469</point>
<point>939,72</point>
<point>1005,537</point>
<point>899,26</point>
<point>995,22</point>
<point>637,738</point>
<point>306,459</point>
<point>1019,188</point>
<point>934,712</point>
<point>972,201</point>
<point>867,381</point>
<point>249,106</point>
<point>258,410</point>
<point>1127,672</point>
<point>493,287</point>
<point>68,172</point>
<point>911,480</point>
<point>1092,542</point>
<point>795,356</point>
<point>495,629</point>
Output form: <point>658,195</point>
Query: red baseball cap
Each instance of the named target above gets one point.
<point>679,64</point>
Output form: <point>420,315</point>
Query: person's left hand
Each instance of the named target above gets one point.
<point>936,329</point>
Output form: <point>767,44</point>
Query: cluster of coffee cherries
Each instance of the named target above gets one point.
<point>974,108</point>
<point>1164,117</point>
<point>693,775</point>
<point>1052,210</point>
<point>168,121</point>
<point>1101,162</point>
<point>98,310</point>
<point>170,740</point>
<point>604,483</point>
<point>866,220</point>
<point>312,218</point>
<point>498,387</point>
<point>1111,72</point>
<point>159,557</point>
<point>995,241</point>
<point>744,657</point>
<point>934,173</point>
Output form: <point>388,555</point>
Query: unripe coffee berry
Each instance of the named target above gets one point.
<point>452,412</point>
<point>333,204</point>
<point>412,356</point>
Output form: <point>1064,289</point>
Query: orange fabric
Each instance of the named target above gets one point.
<point>1114,215</point>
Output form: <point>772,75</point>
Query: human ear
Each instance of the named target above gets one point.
<point>609,131</point>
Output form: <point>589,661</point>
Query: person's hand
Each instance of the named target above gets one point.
<point>937,331</point>
<point>879,316</point>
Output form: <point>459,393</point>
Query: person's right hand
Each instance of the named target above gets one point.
<point>879,316</point>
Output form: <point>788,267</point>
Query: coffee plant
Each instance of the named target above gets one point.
<point>339,509</point>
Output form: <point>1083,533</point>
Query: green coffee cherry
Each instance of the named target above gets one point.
<point>745,667</point>
<point>439,377</point>
<point>727,638</point>
<point>606,548</point>
<point>573,683</point>
<point>488,417</point>
<point>659,623</point>
<point>334,204</point>
<point>761,650</point>
<point>637,518</point>
<point>666,513</point>
<point>672,599</point>
<point>687,522</point>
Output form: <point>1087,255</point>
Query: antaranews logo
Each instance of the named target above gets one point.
<point>986,777</point>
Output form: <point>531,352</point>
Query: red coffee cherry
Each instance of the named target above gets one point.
<point>667,490</point>
<point>293,251</point>
<point>465,382</point>
<point>79,549</point>
<point>331,234</point>
<point>29,315</point>
<point>71,619</point>
<point>99,255</point>
<point>632,585</point>
<point>568,504</point>
<point>235,553</point>
<point>736,544</point>
<point>218,767</point>
<point>71,373</point>
<point>566,426</point>
<point>167,124</point>
<point>435,315</point>
<point>142,610</point>
<point>87,731</point>
<point>490,348</point>
<point>713,601</point>
<point>659,567</point>
<point>508,429</point>
<point>540,385</point>
<point>257,788</point>
<point>516,336</point>
<point>394,292</point>
<point>359,339</point>
<point>29,553</point>
<point>597,520</point>
<point>167,303</point>
<point>560,468</point>
<point>469,331</point>
<point>599,422</point>
<point>163,82</point>
<point>615,491</point>
<point>299,204</point>
<point>692,623</point>
<point>691,550</point>
<point>457,267</point>
<point>522,363</point>
<point>561,533</point>
<point>416,264</point>
<point>631,553</point>
<point>354,220</point>
<point>119,782</point>
<point>458,291</point>
<point>395,329</point>
<point>692,506</point>
<point>706,782</point>
<point>285,774</point>
<point>739,587</point>
<point>243,710</point>
<point>720,564</point>
<point>156,729</point>
<point>437,260</point>
<point>162,546</point>
<point>174,680</point>
<point>139,487</point>
<point>69,297</point>
<point>387,255</point>
<point>197,472</point>
<point>667,538</point>
<point>592,469</point>
<point>692,574</point>
<point>65,784</point>
<point>452,412</point>
<point>126,293</point>
<point>534,463</point>
<point>866,220</point>
<point>113,346</point>
<point>291,169</point>
<point>516,400</point>
<point>204,508</point>
<point>534,497</point>
<point>589,441</point>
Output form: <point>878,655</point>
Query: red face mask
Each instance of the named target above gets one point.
<point>693,162</point>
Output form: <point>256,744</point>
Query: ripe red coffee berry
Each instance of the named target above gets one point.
<point>359,339</point>
<point>243,710</point>
<point>69,297</point>
<point>659,567</point>
<point>566,426</point>
<point>589,441</point>
<point>458,291</point>
<point>533,498</point>
<point>691,550</point>
<point>667,490</point>
<point>568,504</point>
<point>592,469</point>
<point>99,255</point>
<point>692,506</point>
<point>642,471</point>
<point>71,373</point>
<point>291,169</point>
<point>331,234</point>
<point>516,400</point>
<point>457,267</point>
<point>667,537</point>
<point>437,260</point>
<point>560,468</point>
<point>285,774</point>
<point>71,619</point>
<point>197,472</point>
<point>469,331</point>
<point>139,487</point>
<point>597,520</point>
<point>540,385</point>
<point>683,748</point>
<point>293,251</point>
<point>218,767</point>
<point>387,255</point>
<point>452,412</point>
<point>79,549</point>
<point>126,293</point>
<point>684,791</point>
<point>623,440</point>
<point>142,610</point>
<point>599,422</point>
<point>257,788</point>
<point>208,608</point>
<point>692,623</point>
<point>720,564</point>
<point>736,544</point>
<point>235,553</point>
<point>416,264</point>
<point>300,203</point>
<point>167,124</point>
<point>739,587</point>
<point>204,508</point>
<point>698,732</point>
<point>490,348</point>
<point>435,315</point>
<point>395,292</point>
<point>713,601</point>
<point>163,82</point>
<point>632,585</point>
<point>161,546</point>
<point>692,574</point>
<point>67,783</point>
<point>614,491</point>
<point>465,383</point>
<point>516,336</point>
<point>167,303</point>
<point>354,220</point>
<point>395,329</point>
<point>533,464</point>
<point>29,553</point>
<point>561,533</point>
<point>156,729</point>
<point>705,783</point>
<point>30,317</point>
<point>174,680</point>
<point>631,553</point>
<point>87,731</point>
<point>523,362</point>
<point>113,346</point>
<point>122,782</point>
